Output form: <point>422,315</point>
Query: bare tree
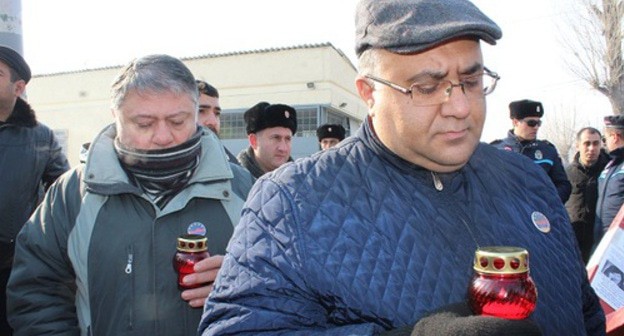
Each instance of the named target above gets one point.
<point>595,42</point>
<point>560,127</point>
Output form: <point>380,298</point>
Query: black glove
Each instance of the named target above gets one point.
<point>458,320</point>
<point>405,331</point>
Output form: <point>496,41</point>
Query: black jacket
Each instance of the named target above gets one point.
<point>30,160</point>
<point>582,203</point>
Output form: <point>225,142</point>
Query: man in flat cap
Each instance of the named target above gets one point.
<point>611,180</point>
<point>526,118</point>
<point>270,129</point>
<point>380,236</point>
<point>30,160</point>
<point>329,135</point>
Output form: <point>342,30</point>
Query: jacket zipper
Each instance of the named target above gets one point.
<point>128,271</point>
<point>437,182</point>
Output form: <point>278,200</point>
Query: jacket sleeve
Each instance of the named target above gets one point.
<point>560,178</point>
<point>592,311</point>
<point>57,162</point>
<point>261,288</point>
<point>41,288</point>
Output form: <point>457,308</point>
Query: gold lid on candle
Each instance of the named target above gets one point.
<point>501,260</point>
<point>192,243</point>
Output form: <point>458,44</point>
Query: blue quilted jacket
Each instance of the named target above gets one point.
<point>355,240</point>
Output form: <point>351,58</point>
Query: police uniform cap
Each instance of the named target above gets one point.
<point>264,115</point>
<point>331,131</point>
<point>411,26</point>
<point>521,109</point>
<point>614,121</point>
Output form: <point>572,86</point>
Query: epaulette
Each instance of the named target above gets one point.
<point>546,142</point>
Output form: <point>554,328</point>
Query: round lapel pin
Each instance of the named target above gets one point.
<point>540,221</point>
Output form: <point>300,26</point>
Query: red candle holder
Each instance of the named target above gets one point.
<point>501,285</point>
<point>190,250</point>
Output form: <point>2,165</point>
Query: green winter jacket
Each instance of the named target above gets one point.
<point>96,257</point>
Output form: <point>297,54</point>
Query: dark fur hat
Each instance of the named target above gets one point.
<point>331,131</point>
<point>521,109</point>
<point>264,115</point>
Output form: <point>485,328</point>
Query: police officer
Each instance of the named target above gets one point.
<point>526,119</point>
<point>270,129</point>
<point>611,180</point>
<point>329,135</point>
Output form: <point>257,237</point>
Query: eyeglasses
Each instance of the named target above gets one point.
<point>532,122</point>
<point>434,92</point>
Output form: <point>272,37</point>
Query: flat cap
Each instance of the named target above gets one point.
<point>411,26</point>
<point>614,121</point>
<point>331,131</point>
<point>264,115</point>
<point>521,109</point>
<point>16,62</point>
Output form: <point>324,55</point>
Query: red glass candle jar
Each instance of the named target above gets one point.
<point>501,285</point>
<point>190,249</point>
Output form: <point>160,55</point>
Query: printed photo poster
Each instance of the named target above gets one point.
<point>608,281</point>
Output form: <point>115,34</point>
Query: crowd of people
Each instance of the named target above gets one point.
<point>373,235</point>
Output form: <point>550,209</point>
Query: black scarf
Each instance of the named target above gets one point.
<point>161,173</point>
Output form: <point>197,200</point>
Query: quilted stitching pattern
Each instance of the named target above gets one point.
<point>325,243</point>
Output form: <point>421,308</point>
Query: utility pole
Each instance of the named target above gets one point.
<point>11,25</point>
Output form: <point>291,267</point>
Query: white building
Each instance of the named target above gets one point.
<point>317,80</point>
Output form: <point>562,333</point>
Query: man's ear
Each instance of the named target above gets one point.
<point>253,140</point>
<point>365,90</point>
<point>20,87</point>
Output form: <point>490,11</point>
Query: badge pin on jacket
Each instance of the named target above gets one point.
<point>540,221</point>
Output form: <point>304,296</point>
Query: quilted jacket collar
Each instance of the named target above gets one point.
<point>367,134</point>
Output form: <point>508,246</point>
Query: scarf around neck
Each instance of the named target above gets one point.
<point>161,173</point>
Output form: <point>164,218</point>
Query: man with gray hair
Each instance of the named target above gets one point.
<point>379,234</point>
<point>96,257</point>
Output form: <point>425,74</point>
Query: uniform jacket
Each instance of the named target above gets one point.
<point>248,160</point>
<point>610,193</point>
<point>354,240</point>
<point>544,154</point>
<point>30,160</point>
<point>101,263</point>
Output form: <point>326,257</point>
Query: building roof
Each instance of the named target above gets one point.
<point>205,56</point>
